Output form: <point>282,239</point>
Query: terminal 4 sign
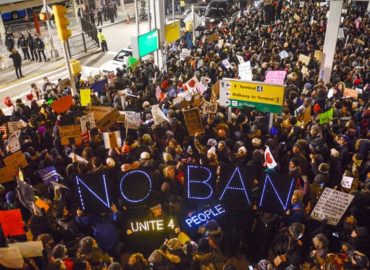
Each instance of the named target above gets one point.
<point>263,97</point>
<point>145,44</point>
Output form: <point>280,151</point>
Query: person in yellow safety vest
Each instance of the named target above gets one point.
<point>182,6</point>
<point>102,41</point>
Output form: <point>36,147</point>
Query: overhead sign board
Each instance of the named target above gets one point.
<point>145,44</point>
<point>260,96</point>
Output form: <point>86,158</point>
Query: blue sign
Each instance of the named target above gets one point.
<point>205,215</point>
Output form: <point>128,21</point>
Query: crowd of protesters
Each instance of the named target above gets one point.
<point>315,155</point>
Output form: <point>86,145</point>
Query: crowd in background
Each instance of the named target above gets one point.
<point>315,155</point>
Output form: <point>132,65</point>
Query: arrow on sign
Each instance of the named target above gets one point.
<point>228,85</point>
<point>228,93</point>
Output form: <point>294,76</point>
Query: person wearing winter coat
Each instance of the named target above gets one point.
<point>17,62</point>
<point>32,45</point>
<point>22,43</point>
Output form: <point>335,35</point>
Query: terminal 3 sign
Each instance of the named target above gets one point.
<point>97,192</point>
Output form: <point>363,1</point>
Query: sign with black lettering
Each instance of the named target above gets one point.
<point>331,206</point>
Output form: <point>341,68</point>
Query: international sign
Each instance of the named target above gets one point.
<point>148,43</point>
<point>260,96</point>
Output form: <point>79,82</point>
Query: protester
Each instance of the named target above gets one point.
<point>267,217</point>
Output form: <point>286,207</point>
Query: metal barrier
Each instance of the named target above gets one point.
<point>80,44</point>
<point>90,29</point>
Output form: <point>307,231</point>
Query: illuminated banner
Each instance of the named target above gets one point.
<point>201,217</point>
<point>96,193</point>
<point>93,191</point>
<point>150,225</point>
<point>200,183</point>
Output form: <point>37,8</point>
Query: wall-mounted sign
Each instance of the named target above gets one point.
<point>145,43</point>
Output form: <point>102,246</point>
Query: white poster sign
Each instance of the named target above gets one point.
<point>346,182</point>
<point>133,120</point>
<point>331,206</point>
<point>87,122</point>
<point>245,71</point>
<point>13,142</point>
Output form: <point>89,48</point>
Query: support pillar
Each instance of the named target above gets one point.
<point>331,37</point>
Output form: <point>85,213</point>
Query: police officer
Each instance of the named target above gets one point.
<point>32,45</point>
<point>40,47</point>
<point>102,41</point>
<point>22,43</point>
<point>182,6</point>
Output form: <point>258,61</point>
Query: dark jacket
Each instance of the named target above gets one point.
<point>17,59</point>
<point>40,45</point>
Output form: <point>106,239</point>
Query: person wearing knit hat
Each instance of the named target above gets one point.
<point>211,142</point>
<point>125,149</point>
<point>144,156</point>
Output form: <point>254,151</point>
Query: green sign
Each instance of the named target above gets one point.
<point>261,107</point>
<point>148,43</point>
<point>326,117</point>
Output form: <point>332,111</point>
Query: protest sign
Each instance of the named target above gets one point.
<point>10,257</point>
<point>296,17</point>
<point>346,182</point>
<point>100,199</point>
<point>98,86</point>
<point>331,206</point>
<point>304,59</point>
<point>206,214</point>
<point>29,249</point>
<point>7,174</point>
<point>350,93</point>
<point>341,33</point>
<point>85,95</point>
<point>105,117</point>
<point>212,37</point>
<point>87,122</point>
<point>275,76</point>
<point>240,59</point>
<point>215,90</point>
<point>150,225</point>
<point>245,71</point>
<point>326,117</point>
<point>209,107</point>
<point>184,53</point>
<point>13,142</point>
<point>226,63</point>
<point>78,159</point>
<point>262,97</point>
<point>133,120</point>
<point>14,126</point>
<point>41,204</point>
<point>221,43</point>
<point>172,31</point>
<point>284,54</point>
<point>158,116</point>
<point>49,174</point>
<point>62,105</point>
<point>304,71</point>
<point>11,222</point>
<point>112,139</point>
<point>16,160</point>
<point>318,55</point>
<point>70,133</point>
<point>193,121</point>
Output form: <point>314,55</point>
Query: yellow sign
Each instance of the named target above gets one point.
<point>172,31</point>
<point>85,95</point>
<point>261,96</point>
